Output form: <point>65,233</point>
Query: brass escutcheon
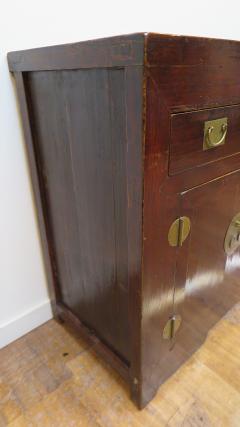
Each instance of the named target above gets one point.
<point>232,238</point>
<point>179,231</point>
<point>171,327</point>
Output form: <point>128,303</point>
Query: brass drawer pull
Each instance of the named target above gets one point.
<point>215,132</point>
<point>213,143</point>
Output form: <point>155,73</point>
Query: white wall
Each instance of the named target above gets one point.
<point>24,301</point>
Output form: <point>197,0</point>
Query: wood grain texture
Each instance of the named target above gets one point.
<point>134,169</point>
<point>115,135</point>
<point>187,130</point>
<point>190,51</point>
<point>36,188</point>
<point>182,75</point>
<point>50,377</point>
<point>202,74</point>
<point>108,52</point>
<point>205,290</point>
<point>79,123</point>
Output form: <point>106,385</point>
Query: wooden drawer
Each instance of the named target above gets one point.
<point>187,136</point>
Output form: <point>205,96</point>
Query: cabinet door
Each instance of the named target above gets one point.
<point>207,278</point>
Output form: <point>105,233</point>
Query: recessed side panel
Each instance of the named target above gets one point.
<point>78,121</point>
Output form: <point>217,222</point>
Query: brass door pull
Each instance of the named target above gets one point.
<point>179,231</point>
<point>212,143</point>
<point>171,327</point>
<point>232,238</point>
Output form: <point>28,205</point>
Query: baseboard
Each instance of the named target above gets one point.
<point>25,323</point>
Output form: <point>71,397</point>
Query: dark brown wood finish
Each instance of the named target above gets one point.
<point>206,290</point>
<point>82,161</point>
<point>39,201</point>
<point>114,128</point>
<point>187,130</point>
<point>109,52</point>
<point>135,93</point>
<point>183,74</point>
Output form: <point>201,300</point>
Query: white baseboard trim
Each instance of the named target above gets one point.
<point>25,323</point>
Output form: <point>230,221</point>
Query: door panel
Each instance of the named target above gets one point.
<point>207,280</point>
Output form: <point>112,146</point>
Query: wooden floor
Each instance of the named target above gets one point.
<point>50,378</point>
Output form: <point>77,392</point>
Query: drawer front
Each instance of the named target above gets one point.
<point>197,137</point>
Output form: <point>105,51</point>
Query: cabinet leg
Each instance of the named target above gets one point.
<point>142,394</point>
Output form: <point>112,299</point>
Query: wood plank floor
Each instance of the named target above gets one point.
<point>51,378</point>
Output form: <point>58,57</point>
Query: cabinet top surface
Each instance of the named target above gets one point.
<point>148,49</point>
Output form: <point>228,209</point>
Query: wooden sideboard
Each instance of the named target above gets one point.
<point>134,152</point>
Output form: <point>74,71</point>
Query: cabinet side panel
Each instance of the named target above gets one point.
<point>78,120</point>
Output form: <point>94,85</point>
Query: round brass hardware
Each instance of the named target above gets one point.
<point>179,231</point>
<point>211,141</point>
<point>171,327</point>
<point>232,238</point>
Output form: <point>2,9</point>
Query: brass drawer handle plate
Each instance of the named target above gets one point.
<point>215,132</point>
<point>232,238</point>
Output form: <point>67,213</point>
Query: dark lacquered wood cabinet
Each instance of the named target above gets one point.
<point>134,152</point>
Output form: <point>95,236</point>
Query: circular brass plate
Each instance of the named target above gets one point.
<point>171,327</point>
<point>179,231</point>
<point>232,238</point>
